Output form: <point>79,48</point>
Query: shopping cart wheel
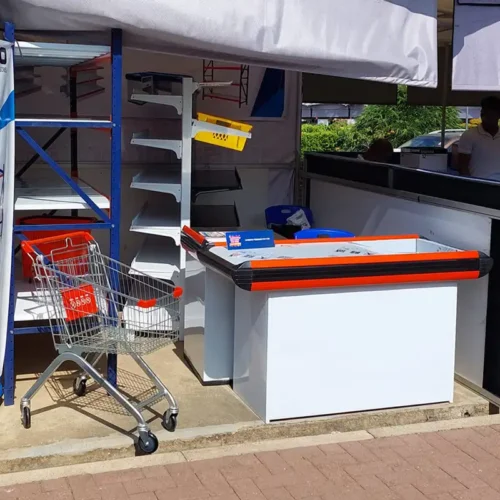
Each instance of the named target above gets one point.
<point>26,417</point>
<point>169,421</point>
<point>149,446</point>
<point>79,386</point>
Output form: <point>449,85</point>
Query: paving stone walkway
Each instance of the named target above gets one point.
<point>449,465</point>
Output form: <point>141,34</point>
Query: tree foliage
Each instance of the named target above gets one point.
<point>474,122</point>
<point>398,123</point>
<point>402,122</point>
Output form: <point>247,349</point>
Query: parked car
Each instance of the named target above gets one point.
<point>433,140</point>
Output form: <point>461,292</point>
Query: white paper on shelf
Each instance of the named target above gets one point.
<point>7,167</point>
<point>393,41</point>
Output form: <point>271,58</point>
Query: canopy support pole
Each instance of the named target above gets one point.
<point>444,96</point>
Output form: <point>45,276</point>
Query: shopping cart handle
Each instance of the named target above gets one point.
<point>147,303</point>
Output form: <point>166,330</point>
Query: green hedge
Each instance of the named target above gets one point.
<point>398,123</point>
<point>317,138</point>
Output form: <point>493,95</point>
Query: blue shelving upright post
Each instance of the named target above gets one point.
<point>116,170</point>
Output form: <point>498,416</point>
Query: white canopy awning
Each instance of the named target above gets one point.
<point>476,57</point>
<point>393,41</point>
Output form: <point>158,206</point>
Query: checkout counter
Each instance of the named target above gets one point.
<point>300,348</point>
<point>376,199</point>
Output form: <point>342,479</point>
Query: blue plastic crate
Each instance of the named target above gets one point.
<point>278,214</point>
<point>309,234</point>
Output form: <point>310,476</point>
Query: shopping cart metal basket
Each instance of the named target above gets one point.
<point>96,307</point>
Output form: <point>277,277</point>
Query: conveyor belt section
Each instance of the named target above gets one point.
<point>330,272</point>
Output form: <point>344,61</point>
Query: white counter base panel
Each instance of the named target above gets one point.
<point>319,352</point>
<point>367,213</point>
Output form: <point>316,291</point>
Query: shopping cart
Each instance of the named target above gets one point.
<point>96,308</point>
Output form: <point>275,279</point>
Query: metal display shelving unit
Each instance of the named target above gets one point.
<point>243,70</point>
<point>26,314</point>
<point>161,254</point>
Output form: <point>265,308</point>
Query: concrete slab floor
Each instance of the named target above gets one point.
<point>58,416</point>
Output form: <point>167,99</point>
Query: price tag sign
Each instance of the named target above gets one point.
<point>246,240</point>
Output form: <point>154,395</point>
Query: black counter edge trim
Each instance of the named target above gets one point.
<point>485,264</point>
<point>244,276</point>
<point>189,244</point>
<point>446,187</point>
<point>375,174</point>
<point>217,263</point>
<point>354,270</point>
<point>192,244</point>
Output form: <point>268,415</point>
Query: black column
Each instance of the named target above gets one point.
<point>491,380</point>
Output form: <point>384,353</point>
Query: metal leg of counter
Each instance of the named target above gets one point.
<point>209,323</point>
<point>319,352</point>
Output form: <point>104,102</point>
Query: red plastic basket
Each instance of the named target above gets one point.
<point>70,251</point>
<point>27,256</point>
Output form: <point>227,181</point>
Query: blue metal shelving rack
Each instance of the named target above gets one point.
<point>109,222</point>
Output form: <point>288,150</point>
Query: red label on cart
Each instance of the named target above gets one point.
<point>79,302</point>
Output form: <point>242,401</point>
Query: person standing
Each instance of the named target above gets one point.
<point>380,151</point>
<point>479,147</point>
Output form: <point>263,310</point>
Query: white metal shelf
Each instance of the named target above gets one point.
<point>55,195</point>
<point>61,55</point>
<point>164,220</point>
<point>163,99</point>
<point>143,139</point>
<point>158,220</point>
<point>151,96</point>
<point>197,126</point>
<point>168,181</point>
<point>164,180</point>
<point>158,257</point>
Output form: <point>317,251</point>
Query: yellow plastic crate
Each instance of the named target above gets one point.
<point>223,140</point>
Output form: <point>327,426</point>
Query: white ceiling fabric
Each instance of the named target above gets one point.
<point>476,58</point>
<point>393,41</point>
